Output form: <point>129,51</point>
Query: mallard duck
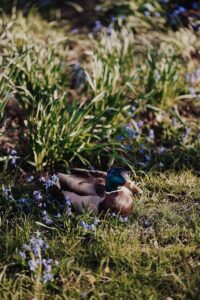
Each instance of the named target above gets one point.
<point>98,191</point>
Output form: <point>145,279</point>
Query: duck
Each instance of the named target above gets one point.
<point>99,192</point>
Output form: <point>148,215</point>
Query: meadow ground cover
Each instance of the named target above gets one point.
<point>124,90</point>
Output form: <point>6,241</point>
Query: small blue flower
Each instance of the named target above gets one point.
<point>47,277</point>
<point>140,124</point>
<point>109,30</point>
<point>45,217</point>
<point>13,157</point>
<point>22,254</point>
<point>147,157</point>
<point>7,192</point>
<point>130,131</point>
<point>74,30</point>
<point>157,14</point>
<point>114,19</point>
<point>147,13</point>
<point>33,264</point>
<point>151,135</point>
<point>29,178</point>
<point>120,138</point>
<point>23,200</point>
<point>98,27</point>
<point>123,219</point>
<point>37,195</point>
<point>181,9</point>
<point>96,221</point>
<point>58,215</point>
<point>87,226</point>
<point>195,5</point>
<point>161,149</point>
<point>141,151</point>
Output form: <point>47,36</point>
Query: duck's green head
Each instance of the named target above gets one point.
<point>115,179</point>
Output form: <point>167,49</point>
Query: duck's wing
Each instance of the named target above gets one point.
<point>88,173</point>
<point>82,203</point>
<point>82,185</point>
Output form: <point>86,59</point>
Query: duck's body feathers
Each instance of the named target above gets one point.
<point>86,190</point>
<point>83,186</point>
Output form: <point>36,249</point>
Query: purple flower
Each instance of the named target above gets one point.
<point>74,30</point>
<point>123,219</point>
<point>22,254</point>
<point>147,157</point>
<point>13,157</point>
<point>23,200</point>
<point>87,226</point>
<point>161,149</point>
<point>147,13</point>
<point>37,244</point>
<point>130,131</point>
<point>141,151</point>
<point>96,221</point>
<point>120,138</point>
<point>157,14</point>
<point>7,192</point>
<point>33,264</point>
<point>42,179</point>
<point>98,27</point>
<point>98,8</point>
<point>47,183</point>
<point>140,123</point>
<point>46,218</point>
<point>113,19</point>
<point>58,215</point>
<point>151,134</point>
<point>129,147</point>
<point>47,264</point>
<point>109,30</point>
<point>68,206</point>
<point>47,277</point>
<point>29,178</point>
<point>37,195</point>
<point>181,10</point>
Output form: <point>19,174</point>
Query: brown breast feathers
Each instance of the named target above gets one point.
<point>119,202</point>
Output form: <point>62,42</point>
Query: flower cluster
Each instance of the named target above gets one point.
<point>68,206</point>
<point>45,218</point>
<point>13,157</point>
<point>149,11</point>
<point>29,178</point>
<point>181,13</point>
<point>118,217</point>
<point>91,227</point>
<point>33,252</point>
<point>7,192</point>
<point>48,182</point>
<point>37,195</point>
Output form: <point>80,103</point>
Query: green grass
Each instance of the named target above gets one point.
<point>131,106</point>
<point>145,261</point>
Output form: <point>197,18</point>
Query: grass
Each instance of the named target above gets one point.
<point>127,95</point>
<point>155,255</point>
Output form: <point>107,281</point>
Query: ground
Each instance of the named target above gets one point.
<point>123,91</point>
